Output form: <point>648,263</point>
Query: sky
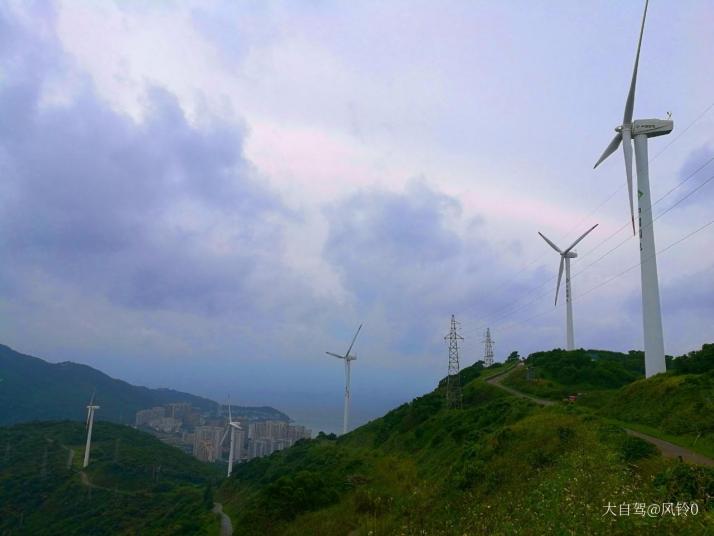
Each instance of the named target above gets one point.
<point>208,195</point>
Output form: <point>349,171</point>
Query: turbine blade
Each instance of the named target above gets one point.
<point>560,276</point>
<point>556,248</point>
<point>353,341</point>
<point>335,355</point>
<point>627,149</point>
<point>630,104</point>
<point>230,418</point>
<point>581,237</point>
<point>609,149</point>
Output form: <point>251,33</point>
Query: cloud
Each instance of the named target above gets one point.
<point>412,259</point>
<point>157,214</point>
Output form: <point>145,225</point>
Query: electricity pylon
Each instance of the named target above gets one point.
<point>453,383</point>
<point>488,349</point>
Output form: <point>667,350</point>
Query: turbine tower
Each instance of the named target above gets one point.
<point>348,359</point>
<point>640,130</point>
<point>488,349</point>
<point>90,423</point>
<point>565,257</point>
<point>233,427</point>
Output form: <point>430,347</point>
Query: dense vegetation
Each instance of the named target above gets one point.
<point>500,465</point>
<point>559,373</point>
<point>134,484</point>
<point>33,389</point>
<point>678,404</point>
<point>684,407</point>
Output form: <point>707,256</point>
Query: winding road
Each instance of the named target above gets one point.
<point>226,525</point>
<point>668,450</point>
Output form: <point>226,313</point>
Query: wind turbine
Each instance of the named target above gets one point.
<point>565,257</point>
<point>90,422</point>
<point>348,359</point>
<point>640,130</point>
<point>233,427</point>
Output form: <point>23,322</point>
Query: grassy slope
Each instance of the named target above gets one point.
<point>677,406</point>
<point>39,494</point>
<point>684,408</point>
<point>500,466</point>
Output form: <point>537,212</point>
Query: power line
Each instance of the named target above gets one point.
<point>670,246</point>
<point>683,198</point>
<point>616,276</point>
<point>627,223</point>
<point>504,312</point>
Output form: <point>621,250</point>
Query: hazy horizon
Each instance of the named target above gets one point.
<point>209,196</point>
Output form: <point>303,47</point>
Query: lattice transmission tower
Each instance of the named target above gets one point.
<point>488,348</point>
<point>453,383</point>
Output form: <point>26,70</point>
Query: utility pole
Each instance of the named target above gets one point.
<point>488,349</point>
<point>453,383</point>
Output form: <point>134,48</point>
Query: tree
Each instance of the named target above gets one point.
<point>513,356</point>
<point>208,496</point>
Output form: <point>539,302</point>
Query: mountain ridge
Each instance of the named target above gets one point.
<point>34,389</point>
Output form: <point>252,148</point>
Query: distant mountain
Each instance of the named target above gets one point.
<point>32,389</point>
<point>134,484</point>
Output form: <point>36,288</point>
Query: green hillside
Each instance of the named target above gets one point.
<point>134,484</point>
<point>33,389</point>
<point>500,465</point>
<point>684,411</point>
<point>678,405</point>
<point>559,373</point>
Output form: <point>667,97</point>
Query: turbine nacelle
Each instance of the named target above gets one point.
<point>350,357</point>
<point>652,127</point>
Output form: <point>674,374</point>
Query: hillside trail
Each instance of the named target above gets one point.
<point>668,450</point>
<point>226,525</point>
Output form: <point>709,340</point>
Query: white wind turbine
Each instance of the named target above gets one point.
<point>348,359</point>
<point>90,423</point>
<point>640,130</point>
<point>233,427</point>
<point>565,257</point>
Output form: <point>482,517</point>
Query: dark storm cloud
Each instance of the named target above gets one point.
<point>400,252</point>
<point>157,214</point>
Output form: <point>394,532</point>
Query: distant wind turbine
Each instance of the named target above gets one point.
<point>233,427</point>
<point>348,359</point>
<point>565,257</point>
<point>640,130</point>
<point>90,423</point>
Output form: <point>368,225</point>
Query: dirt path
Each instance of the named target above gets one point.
<point>498,378</point>
<point>226,525</point>
<point>668,450</point>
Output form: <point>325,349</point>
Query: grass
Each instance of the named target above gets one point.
<point>500,465</point>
